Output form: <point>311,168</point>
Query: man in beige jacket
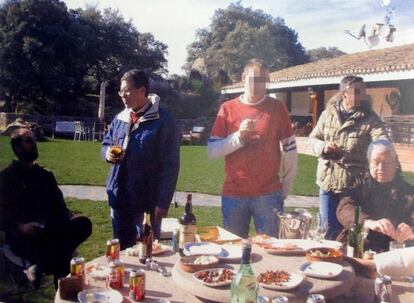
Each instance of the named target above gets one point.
<point>340,141</point>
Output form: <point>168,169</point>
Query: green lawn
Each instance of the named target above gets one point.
<point>79,162</point>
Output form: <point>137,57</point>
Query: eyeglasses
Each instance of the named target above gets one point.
<point>126,91</point>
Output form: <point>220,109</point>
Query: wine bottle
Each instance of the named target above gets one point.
<point>187,225</point>
<point>146,239</point>
<point>355,246</point>
<point>244,286</point>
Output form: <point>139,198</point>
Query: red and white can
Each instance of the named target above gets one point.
<point>116,279</point>
<point>137,285</point>
<point>77,267</point>
<point>112,249</point>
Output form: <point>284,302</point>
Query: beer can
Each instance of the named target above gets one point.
<point>77,267</point>
<point>383,290</point>
<point>137,285</point>
<point>120,267</point>
<point>280,299</point>
<point>115,276</point>
<point>315,298</point>
<point>112,249</point>
<point>175,239</point>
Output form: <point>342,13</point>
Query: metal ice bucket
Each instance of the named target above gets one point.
<point>294,224</point>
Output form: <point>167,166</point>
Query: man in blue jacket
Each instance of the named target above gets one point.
<point>143,177</point>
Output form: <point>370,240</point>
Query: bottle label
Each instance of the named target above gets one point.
<point>187,234</point>
<point>142,250</point>
<point>350,251</point>
<point>246,290</point>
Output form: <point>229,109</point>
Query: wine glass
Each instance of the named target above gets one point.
<point>319,232</point>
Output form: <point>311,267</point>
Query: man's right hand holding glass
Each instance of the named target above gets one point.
<point>247,131</point>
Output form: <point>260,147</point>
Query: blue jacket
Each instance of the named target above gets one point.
<point>147,175</point>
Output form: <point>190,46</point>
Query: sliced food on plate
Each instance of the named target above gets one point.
<point>262,239</point>
<point>283,248</point>
<point>215,277</point>
<point>279,279</point>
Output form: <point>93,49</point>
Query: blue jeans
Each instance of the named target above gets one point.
<point>328,202</point>
<point>237,212</point>
<point>127,226</point>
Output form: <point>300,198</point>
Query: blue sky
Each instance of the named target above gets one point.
<point>317,22</point>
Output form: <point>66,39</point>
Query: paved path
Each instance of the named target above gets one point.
<point>98,193</point>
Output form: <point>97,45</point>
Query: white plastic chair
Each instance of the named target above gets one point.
<point>80,132</point>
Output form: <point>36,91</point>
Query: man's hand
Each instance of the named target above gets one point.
<point>112,157</point>
<point>330,147</point>
<point>404,232</point>
<point>29,228</point>
<point>383,226</point>
<point>247,131</point>
<point>160,213</point>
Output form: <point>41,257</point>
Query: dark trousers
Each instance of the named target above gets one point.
<point>51,248</point>
<point>127,226</point>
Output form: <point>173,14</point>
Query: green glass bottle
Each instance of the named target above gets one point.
<point>244,286</point>
<point>355,246</point>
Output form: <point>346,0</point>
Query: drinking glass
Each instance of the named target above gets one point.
<point>396,245</point>
<point>319,231</point>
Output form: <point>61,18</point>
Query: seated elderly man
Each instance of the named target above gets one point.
<point>34,216</point>
<point>386,200</point>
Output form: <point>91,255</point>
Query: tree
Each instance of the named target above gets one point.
<point>237,34</point>
<point>324,53</point>
<point>52,59</point>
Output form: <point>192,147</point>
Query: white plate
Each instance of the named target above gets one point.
<point>215,284</point>
<point>110,295</point>
<point>230,253</point>
<point>202,248</point>
<point>294,280</point>
<point>163,248</point>
<point>321,269</point>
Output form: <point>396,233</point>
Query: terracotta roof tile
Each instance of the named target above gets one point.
<point>399,58</point>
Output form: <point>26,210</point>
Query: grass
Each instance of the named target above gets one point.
<point>79,162</point>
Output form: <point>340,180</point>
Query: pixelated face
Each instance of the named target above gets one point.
<point>255,79</point>
<point>353,95</point>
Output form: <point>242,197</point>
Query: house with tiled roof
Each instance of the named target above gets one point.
<point>388,74</point>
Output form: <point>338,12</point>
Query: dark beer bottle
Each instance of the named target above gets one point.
<point>355,246</point>
<point>187,225</point>
<point>145,242</point>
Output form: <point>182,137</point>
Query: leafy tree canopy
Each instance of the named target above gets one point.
<point>52,58</point>
<point>324,53</point>
<point>237,34</point>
